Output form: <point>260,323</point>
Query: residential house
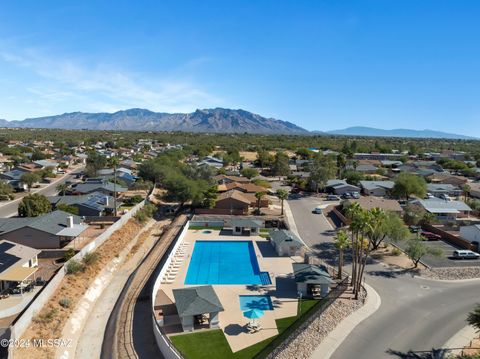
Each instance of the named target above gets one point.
<point>13,178</point>
<point>377,188</point>
<point>18,264</point>
<point>312,280</point>
<point>340,187</point>
<point>475,189</point>
<point>444,210</point>
<point>123,174</point>
<point>51,230</point>
<point>245,226</point>
<point>438,189</point>
<point>447,178</point>
<point>233,200</point>
<point>286,243</point>
<point>244,187</point>
<point>211,161</point>
<point>366,168</point>
<point>224,179</point>
<point>371,202</point>
<point>42,164</point>
<point>95,204</point>
<point>377,156</point>
<point>97,185</point>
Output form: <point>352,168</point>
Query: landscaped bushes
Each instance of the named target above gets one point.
<point>145,213</point>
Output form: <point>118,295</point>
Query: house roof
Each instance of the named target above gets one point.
<point>196,300</point>
<point>371,185</point>
<point>220,178</point>
<point>437,205</point>
<point>89,187</point>
<point>12,254</point>
<point>246,222</point>
<point>310,273</point>
<point>234,194</point>
<point>371,202</point>
<point>436,187</point>
<point>46,163</point>
<point>53,223</point>
<point>285,237</point>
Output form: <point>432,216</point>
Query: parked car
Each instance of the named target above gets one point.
<point>347,195</point>
<point>355,195</point>
<point>414,229</point>
<point>465,254</point>
<point>317,210</point>
<point>332,197</point>
<point>431,236</point>
<point>446,197</point>
<point>429,196</point>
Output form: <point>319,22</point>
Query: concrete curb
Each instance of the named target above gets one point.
<point>461,339</point>
<point>336,337</point>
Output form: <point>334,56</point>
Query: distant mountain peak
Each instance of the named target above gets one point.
<point>400,132</point>
<point>216,120</point>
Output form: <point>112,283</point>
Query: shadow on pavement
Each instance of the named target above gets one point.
<point>431,354</point>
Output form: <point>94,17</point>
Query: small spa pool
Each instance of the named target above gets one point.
<point>207,232</point>
<point>262,302</point>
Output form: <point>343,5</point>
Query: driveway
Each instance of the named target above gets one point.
<point>415,314</point>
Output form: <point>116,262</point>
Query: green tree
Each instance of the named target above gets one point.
<point>466,189</point>
<point>29,178</point>
<point>34,205</point>
<point>386,225</point>
<point>67,208</point>
<point>282,194</point>
<point>264,159</point>
<point>280,166</point>
<point>259,196</point>
<point>95,162</point>
<point>303,153</point>
<point>342,242</point>
<point>322,169</point>
<point>210,197</point>
<point>407,184</point>
<point>62,188</point>
<point>249,172</point>
<point>417,249</point>
<point>473,318</point>
<point>6,190</point>
<point>353,177</point>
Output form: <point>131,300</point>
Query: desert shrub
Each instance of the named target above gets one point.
<point>69,254</point>
<point>64,302</point>
<point>133,200</point>
<point>46,317</point>
<point>90,258</point>
<point>396,252</point>
<point>74,266</point>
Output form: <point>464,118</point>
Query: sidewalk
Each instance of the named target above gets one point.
<point>335,338</point>
<point>460,340</point>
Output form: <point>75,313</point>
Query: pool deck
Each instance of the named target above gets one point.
<point>282,290</point>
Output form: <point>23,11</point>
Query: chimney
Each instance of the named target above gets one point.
<point>70,221</point>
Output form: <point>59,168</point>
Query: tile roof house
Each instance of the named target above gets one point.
<point>447,178</point>
<point>223,179</point>
<point>376,188</point>
<point>197,301</point>
<point>51,230</point>
<point>371,202</point>
<point>18,263</point>
<point>211,161</point>
<point>233,200</point>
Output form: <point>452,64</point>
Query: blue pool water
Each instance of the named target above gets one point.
<point>262,302</point>
<point>225,262</point>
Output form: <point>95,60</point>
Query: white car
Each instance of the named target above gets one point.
<point>317,210</point>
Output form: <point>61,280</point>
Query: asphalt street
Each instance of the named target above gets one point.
<point>10,208</point>
<point>416,314</point>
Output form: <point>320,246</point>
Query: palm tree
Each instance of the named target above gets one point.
<point>259,196</point>
<point>342,242</point>
<point>62,188</point>
<point>473,318</point>
<point>282,195</point>
<point>114,162</point>
<point>466,191</point>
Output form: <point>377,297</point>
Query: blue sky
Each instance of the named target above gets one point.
<point>320,64</point>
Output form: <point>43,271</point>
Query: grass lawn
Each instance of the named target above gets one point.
<point>213,228</point>
<point>212,344</point>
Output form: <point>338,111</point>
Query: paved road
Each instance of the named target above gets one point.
<point>415,314</point>
<point>10,208</point>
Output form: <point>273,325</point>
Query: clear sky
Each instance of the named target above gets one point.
<point>320,64</point>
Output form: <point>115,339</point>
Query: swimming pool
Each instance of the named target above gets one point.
<point>262,302</point>
<point>225,262</point>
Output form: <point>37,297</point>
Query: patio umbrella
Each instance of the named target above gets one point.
<point>253,314</point>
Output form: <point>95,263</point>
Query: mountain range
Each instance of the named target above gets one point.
<point>217,120</point>
<point>376,132</point>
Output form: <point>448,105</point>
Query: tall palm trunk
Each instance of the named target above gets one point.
<point>340,264</point>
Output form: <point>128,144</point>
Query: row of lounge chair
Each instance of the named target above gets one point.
<point>175,264</point>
